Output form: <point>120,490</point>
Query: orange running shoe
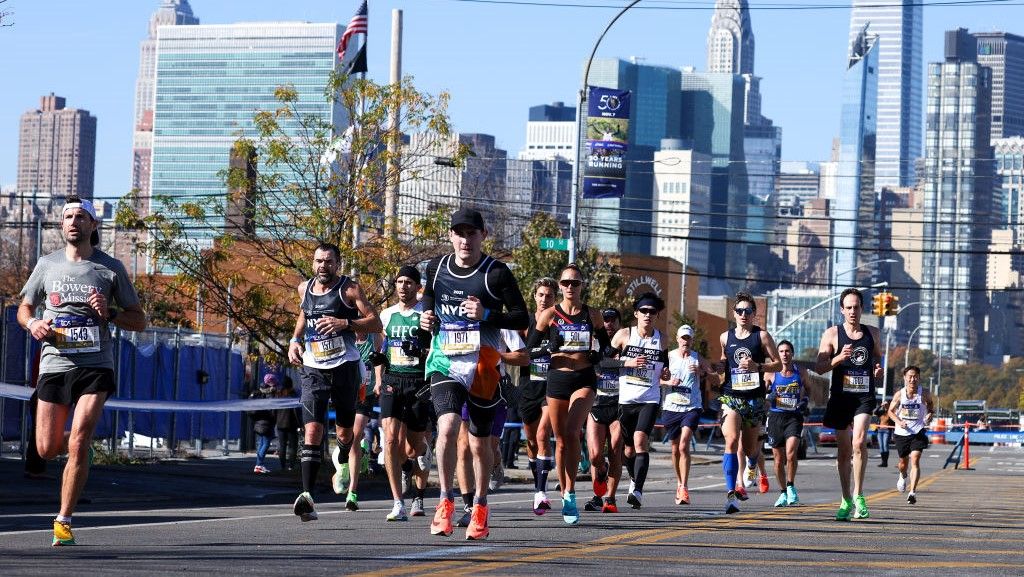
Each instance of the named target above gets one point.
<point>442,523</point>
<point>609,507</point>
<point>685,496</point>
<point>741,494</point>
<point>762,484</point>
<point>679,494</point>
<point>478,529</point>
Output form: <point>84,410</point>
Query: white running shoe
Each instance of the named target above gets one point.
<point>901,484</point>
<point>750,477</point>
<point>497,477</point>
<point>425,460</point>
<point>635,499</point>
<point>417,508</point>
<point>398,513</point>
<point>541,503</point>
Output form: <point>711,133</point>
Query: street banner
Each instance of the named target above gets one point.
<point>604,173</point>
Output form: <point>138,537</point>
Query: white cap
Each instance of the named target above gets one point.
<point>685,331</point>
<point>83,204</point>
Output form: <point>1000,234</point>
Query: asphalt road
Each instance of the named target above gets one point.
<point>210,518</point>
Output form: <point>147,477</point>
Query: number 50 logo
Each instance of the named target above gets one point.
<point>609,102</point>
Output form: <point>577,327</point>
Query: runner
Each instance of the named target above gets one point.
<point>345,480</point>
<point>787,400</point>
<point>513,353</point>
<point>911,410</point>
<point>747,352</point>
<point>851,352</point>
<point>533,404</point>
<point>77,287</point>
<point>603,427</point>
<point>468,298</point>
<point>572,328</point>
<point>639,388</point>
<point>404,413</point>
<point>682,406</point>
<point>331,309</point>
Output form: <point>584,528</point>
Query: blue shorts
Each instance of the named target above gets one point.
<point>674,422</point>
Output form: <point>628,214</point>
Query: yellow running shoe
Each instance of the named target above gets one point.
<point>62,534</point>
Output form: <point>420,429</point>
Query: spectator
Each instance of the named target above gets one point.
<point>263,422</point>
<point>289,421</point>
<point>884,433</point>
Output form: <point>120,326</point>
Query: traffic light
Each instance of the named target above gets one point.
<point>892,305</point>
<point>878,304</point>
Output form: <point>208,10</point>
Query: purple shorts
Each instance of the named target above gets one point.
<point>500,416</point>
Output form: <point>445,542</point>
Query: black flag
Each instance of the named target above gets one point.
<point>358,64</point>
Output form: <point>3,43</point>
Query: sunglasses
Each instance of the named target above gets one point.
<point>744,311</point>
<point>570,282</point>
<point>647,311</point>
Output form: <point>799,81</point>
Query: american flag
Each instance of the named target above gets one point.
<point>357,25</point>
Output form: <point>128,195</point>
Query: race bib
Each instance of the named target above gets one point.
<point>638,376</point>
<point>326,348</point>
<point>608,382</point>
<point>460,338</point>
<point>856,382</point>
<point>397,356</point>
<point>786,402</point>
<point>910,413</point>
<point>75,334</point>
<point>679,396</point>
<point>539,369</point>
<point>744,381</point>
<point>576,338</point>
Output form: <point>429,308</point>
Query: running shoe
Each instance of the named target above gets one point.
<point>570,513</point>
<point>304,507</point>
<point>425,460</point>
<point>260,470</point>
<point>340,479</point>
<point>741,494</point>
<point>901,484</point>
<point>467,514</point>
<point>762,484</point>
<point>911,498</point>
<point>417,509</point>
<point>635,499</point>
<point>62,534</point>
<point>601,483</point>
<point>398,513</point>
<point>685,497</point>
<point>782,501</point>
<point>594,504</point>
<point>791,497</point>
<point>497,477</point>
<point>750,477</point>
<point>477,527</point>
<point>731,503</point>
<point>843,514</point>
<point>609,506</point>
<point>679,496</point>
<point>860,509</point>
<point>442,523</point>
<point>541,503</point>
<point>352,502</point>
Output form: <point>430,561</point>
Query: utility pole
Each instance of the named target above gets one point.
<point>394,138</point>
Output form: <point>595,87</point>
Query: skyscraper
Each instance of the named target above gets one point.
<point>730,38</point>
<point>853,244</point>
<point>170,13</point>
<point>211,79</point>
<point>1004,54</point>
<point>682,196</point>
<point>898,25</point>
<point>56,150</point>
<point>957,201</point>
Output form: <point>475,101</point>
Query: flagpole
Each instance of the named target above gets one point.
<point>581,101</point>
<point>394,115</point>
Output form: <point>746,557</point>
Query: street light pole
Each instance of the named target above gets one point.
<point>906,357</point>
<point>581,100</point>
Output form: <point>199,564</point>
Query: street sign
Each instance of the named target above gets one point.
<point>549,243</point>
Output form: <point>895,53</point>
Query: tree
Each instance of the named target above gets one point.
<point>293,183</point>
<point>531,263</point>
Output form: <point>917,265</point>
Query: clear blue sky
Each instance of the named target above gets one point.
<point>496,60</point>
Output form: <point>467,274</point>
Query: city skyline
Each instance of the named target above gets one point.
<point>477,89</point>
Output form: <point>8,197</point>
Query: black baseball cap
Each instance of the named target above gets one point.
<point>468,217</point>
<point>608,314</point>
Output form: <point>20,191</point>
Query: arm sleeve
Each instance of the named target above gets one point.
<point>505,286</point>
<point>533,340</point>
<point>607,363</point>
<point>428,285</point>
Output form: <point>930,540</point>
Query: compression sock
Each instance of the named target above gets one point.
<point>533,471</point>
<point>480,500</point>
<point>642,463</point>
<point>407,466</point>
<point>309,457</point>
<point>631,467</point>
<point>547,464</point>
<point>751,463</point>
<point>731,467</point>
